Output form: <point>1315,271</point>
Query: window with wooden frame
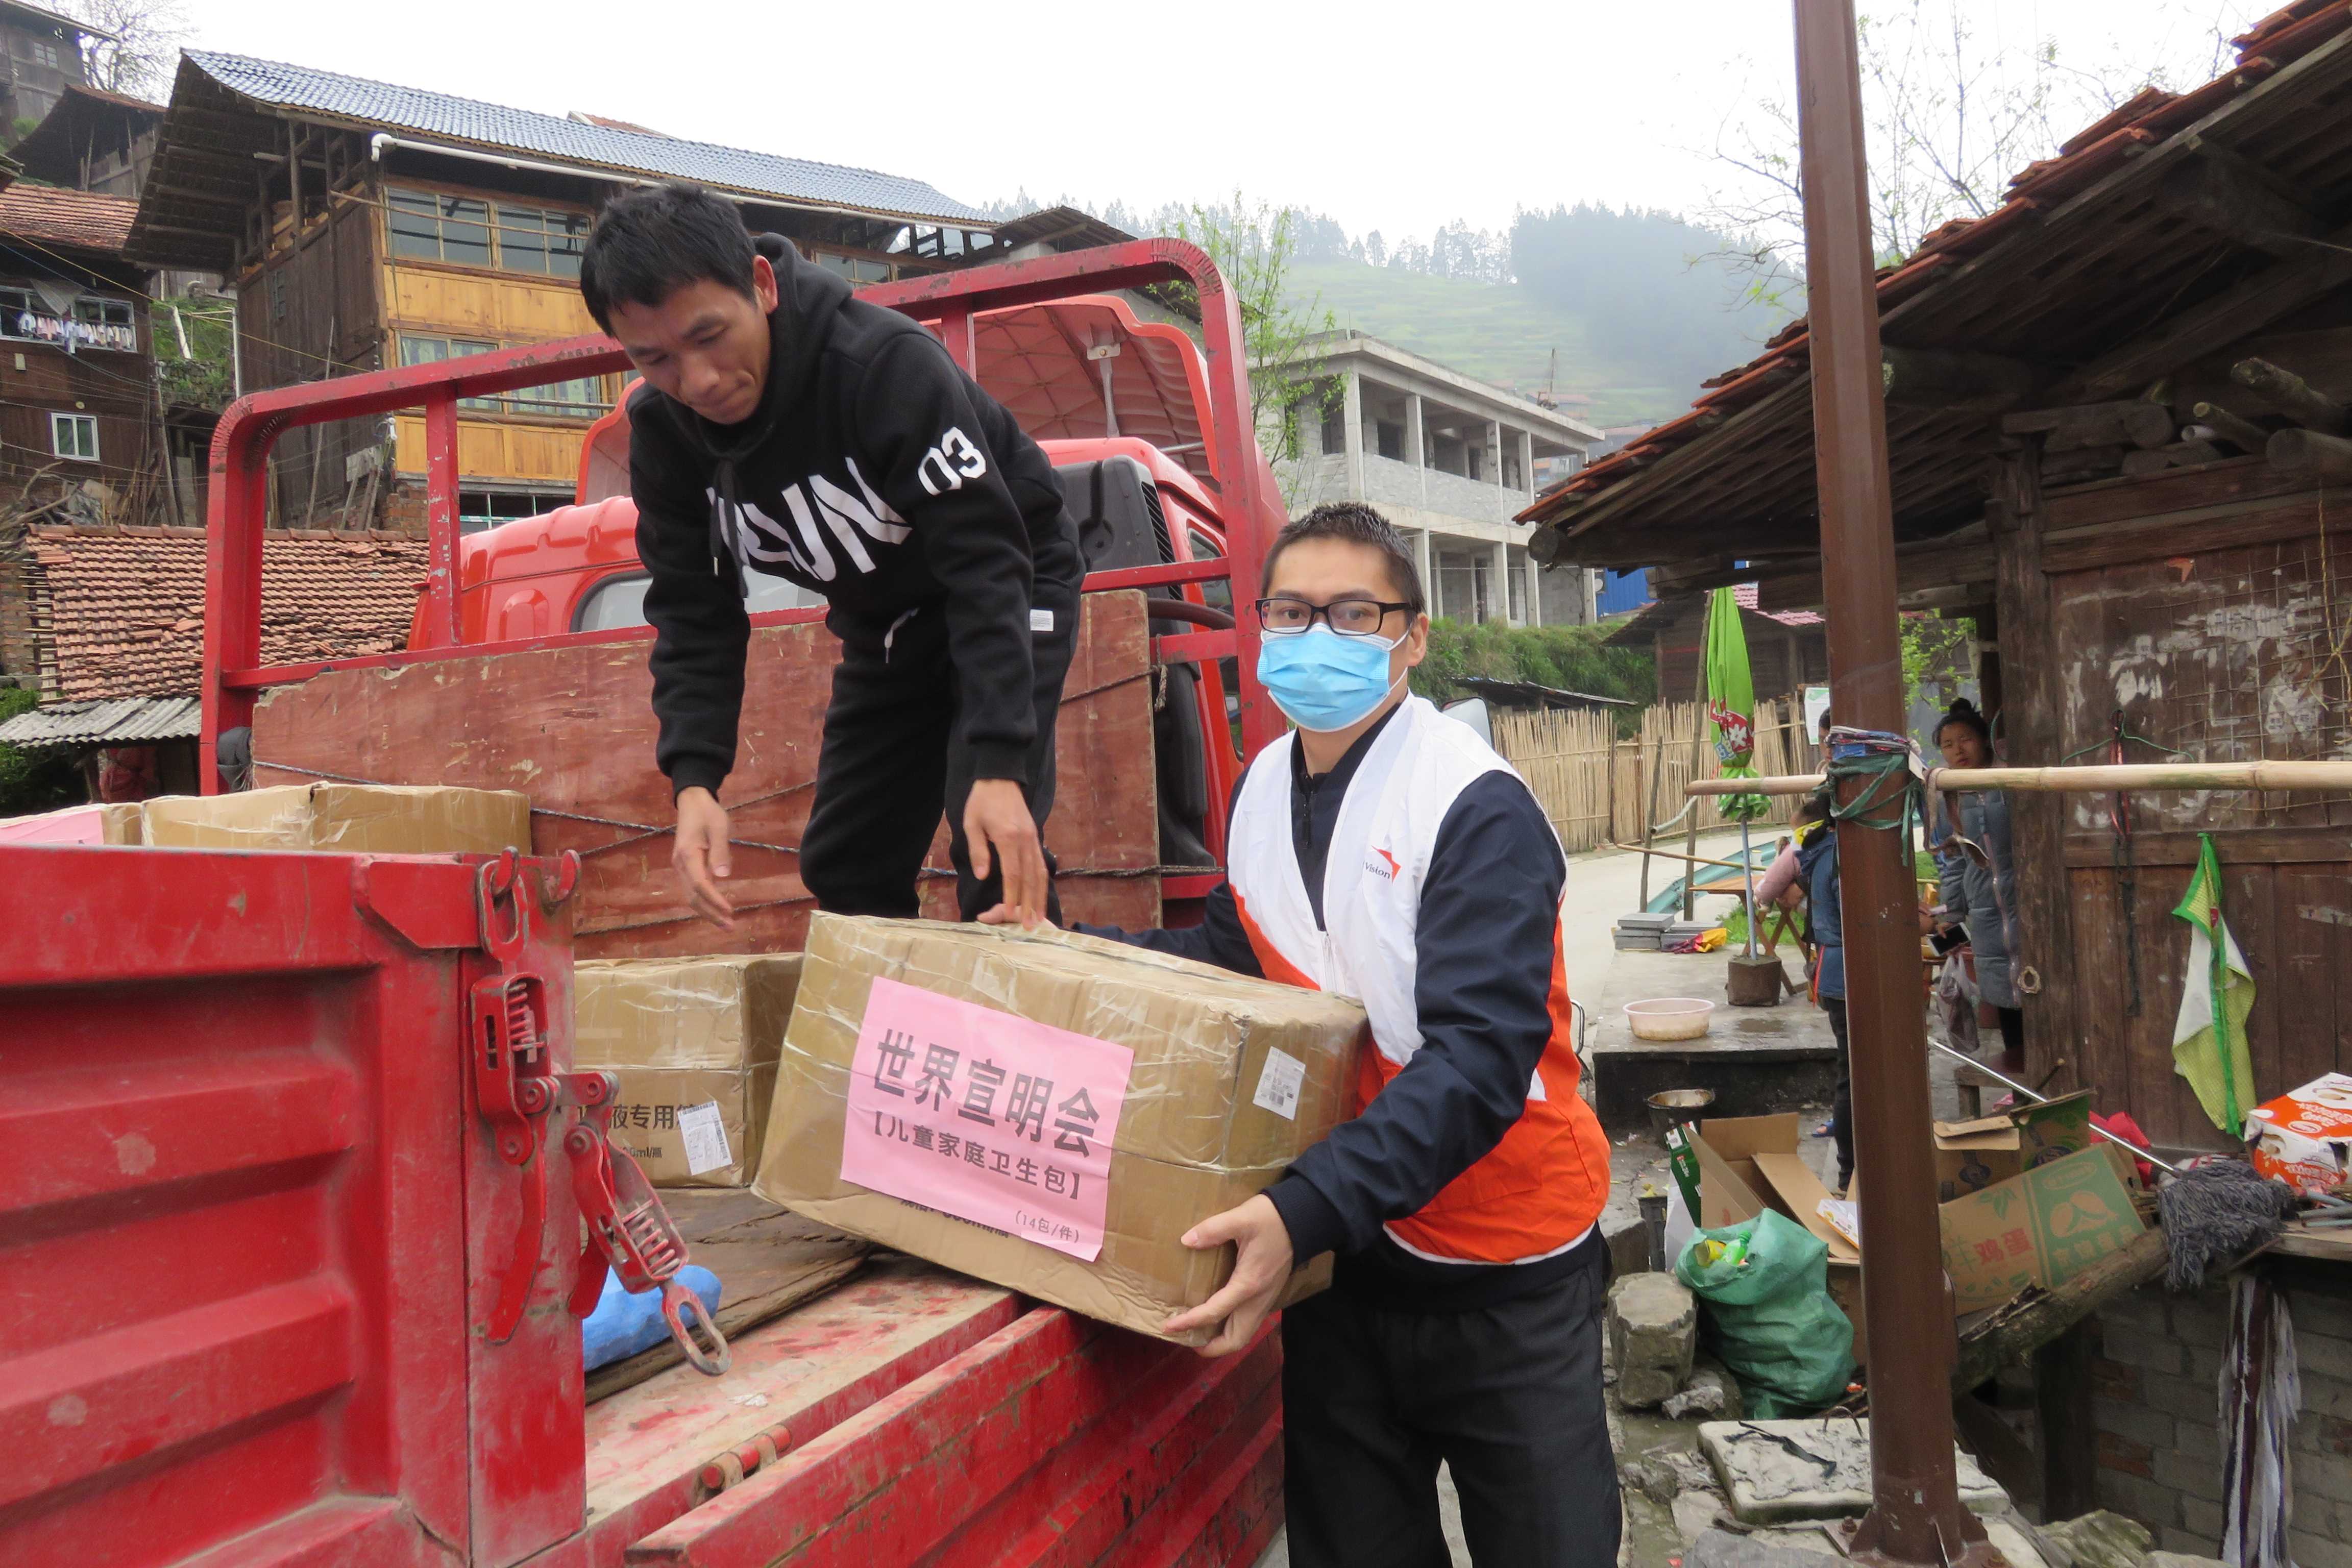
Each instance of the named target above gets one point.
<point>74,435</point>
<point>583,397</point>
<point>471,231</point>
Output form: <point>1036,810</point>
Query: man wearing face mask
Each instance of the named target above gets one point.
<point>1384,851</point>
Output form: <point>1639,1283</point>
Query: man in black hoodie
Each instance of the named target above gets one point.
<point>786,428</point>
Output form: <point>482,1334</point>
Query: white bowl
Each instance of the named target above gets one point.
<point>1669,1018</point>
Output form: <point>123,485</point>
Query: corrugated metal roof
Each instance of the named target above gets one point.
<point>469,122</point>
<point>118,722</point>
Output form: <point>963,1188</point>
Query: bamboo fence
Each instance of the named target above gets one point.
<point>1599,789</point>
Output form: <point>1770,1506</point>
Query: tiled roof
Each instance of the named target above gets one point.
<point>2098,151</point>
<point>469,122</point>
<point>79,218</point>
<point>1744,594</point>
<point>121,611</point>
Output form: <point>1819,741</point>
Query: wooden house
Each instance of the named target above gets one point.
<point>2119,418</point>
<point>77,379</point>
<point>363,226</point>
<point>93,141</point>
<point>1787,648</point>
<point>40,59</point>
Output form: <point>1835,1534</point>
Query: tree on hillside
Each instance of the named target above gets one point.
<point>1641,282</point>
<point>1949,116</point>
<point>1254,247</point>
<point>138,60</point>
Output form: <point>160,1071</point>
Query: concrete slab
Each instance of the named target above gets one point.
<point>1777,1471</point>
<point>1758,1060</point>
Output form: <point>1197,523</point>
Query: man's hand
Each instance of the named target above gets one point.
<point>1006,915</point>
<point>1261,1269</point>
<point>701,855</point>
<point>998,831</point>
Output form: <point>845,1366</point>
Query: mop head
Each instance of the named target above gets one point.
<point>2220,1211</point>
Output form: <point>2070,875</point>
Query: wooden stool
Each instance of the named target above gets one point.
<point>1973,1081</point>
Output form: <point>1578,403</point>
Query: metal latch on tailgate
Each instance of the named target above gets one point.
<point>520,1093</point>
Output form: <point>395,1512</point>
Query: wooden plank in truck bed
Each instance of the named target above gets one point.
<point>792,1379</point>
<point>572,727</point>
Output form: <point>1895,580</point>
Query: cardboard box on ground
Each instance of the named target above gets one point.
<point>694,1043</point>
<point>1045,1110</point>
<point>2050,1205</point>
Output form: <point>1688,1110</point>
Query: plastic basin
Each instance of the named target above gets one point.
<point>1669,1018</point>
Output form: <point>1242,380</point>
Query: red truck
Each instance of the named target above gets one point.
<point>288,1248</point>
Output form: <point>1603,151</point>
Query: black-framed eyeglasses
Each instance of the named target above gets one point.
<point>1348,618</point>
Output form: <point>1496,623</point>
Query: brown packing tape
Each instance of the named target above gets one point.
<point>715,1012</point>
<point>1190,1141</point>
<point>354,819</point>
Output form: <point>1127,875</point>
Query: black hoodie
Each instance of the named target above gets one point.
<point>874,472</point>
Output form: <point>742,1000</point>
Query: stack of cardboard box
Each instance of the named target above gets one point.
<point>2027,1200</point>
<point>694,1043</point>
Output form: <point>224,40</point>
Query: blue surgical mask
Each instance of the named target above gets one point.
<point>1325,681</point>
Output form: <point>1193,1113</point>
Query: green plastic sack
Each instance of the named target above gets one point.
<point>1770,1318</point>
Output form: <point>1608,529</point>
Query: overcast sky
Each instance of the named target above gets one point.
<point>1385,117</point>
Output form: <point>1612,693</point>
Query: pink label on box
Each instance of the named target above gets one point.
<point>988,1116</point>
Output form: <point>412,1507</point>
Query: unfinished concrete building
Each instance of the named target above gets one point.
<point>1449,460</point>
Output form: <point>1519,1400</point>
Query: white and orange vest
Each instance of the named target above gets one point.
<point>1540,1190</point>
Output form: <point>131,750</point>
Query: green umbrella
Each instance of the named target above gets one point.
<point>1731,708</point>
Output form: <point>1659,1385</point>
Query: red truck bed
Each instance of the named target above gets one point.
<point>252,1225</point>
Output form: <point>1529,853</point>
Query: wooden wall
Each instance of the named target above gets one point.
<point>2212,609</point>
<point>572,727</point>
<point>1779,659</point>
<point>309,310</point>
<point>117,387</point>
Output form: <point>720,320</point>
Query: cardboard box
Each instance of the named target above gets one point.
<point>352,819</point>
<point>2304,1135</point>
<point>1045,1110</point>
<point>116,824</point>
<point>2042,1227</point>
<point>1972,1155</point>
<point>694,1042</point>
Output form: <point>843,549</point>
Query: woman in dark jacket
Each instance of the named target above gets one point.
<point>1981,894</point>
<point>1817,872</point>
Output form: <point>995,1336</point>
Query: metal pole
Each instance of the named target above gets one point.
<point>1747,875</point>
<point>1915,1516</point>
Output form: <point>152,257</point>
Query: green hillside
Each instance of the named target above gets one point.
<point>1498,332</point>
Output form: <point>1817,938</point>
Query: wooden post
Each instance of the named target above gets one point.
<point>2070,1435</point>
<point>1656,766</point>
<point>1916,1515</point>
<point>2295,397</point>
<point>2029,663</point>
<point>2309,452</point>
<point>1697,765</point>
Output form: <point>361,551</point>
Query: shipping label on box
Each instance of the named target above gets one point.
<point>120,824</point>
<point>950,1104</point>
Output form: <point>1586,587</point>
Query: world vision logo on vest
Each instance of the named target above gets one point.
<point>1382,864</point>
<point>830,530</point>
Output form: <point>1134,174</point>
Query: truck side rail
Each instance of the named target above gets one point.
<point>233,671</point>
